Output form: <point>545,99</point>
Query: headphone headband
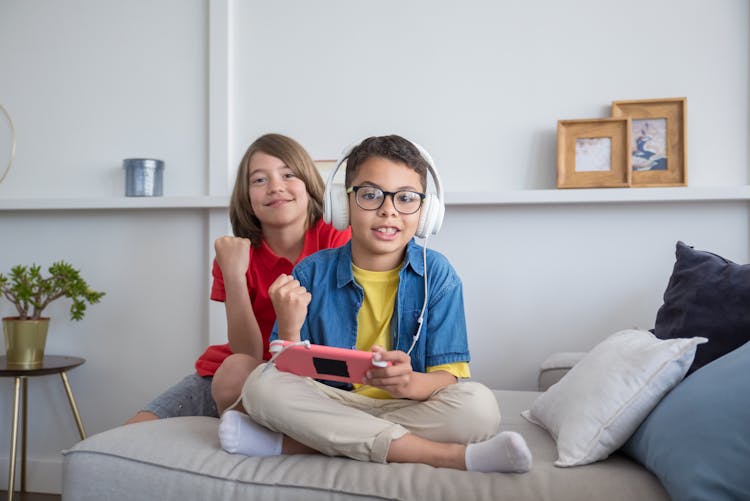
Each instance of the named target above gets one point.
<point>336,202</point>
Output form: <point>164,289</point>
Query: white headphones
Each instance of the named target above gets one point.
<point>336,201</point>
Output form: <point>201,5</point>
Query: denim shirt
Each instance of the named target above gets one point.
<point>336,299</point>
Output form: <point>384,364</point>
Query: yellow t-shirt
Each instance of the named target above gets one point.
<point>374,322</point>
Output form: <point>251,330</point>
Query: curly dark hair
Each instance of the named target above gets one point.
<point>394,148</point>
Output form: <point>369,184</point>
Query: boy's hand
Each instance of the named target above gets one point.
<point>232,256</point>
<point>401,381</point>
<point>397,379</point>
<point>290,300</point>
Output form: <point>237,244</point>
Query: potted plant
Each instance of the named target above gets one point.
<point>31,292</point>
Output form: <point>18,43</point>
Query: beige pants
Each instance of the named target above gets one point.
<point>341,423</point>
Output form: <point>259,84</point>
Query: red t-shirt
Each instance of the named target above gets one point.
<point>265,267</point>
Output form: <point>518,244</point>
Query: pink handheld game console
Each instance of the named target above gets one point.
<point>323,362</point>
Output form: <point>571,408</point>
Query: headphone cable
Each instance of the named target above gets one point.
<point>424,304</point>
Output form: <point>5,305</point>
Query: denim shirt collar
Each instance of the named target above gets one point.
<point>345,275</point>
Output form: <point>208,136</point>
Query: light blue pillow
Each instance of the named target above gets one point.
<point>697,440</point>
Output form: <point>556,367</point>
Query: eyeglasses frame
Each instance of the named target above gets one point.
<point>355,189</point>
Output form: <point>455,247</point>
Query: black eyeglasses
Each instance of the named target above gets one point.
<point>372,198</point>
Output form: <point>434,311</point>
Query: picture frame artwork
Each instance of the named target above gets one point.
<point>324,167</point>
<point>658,144</point>
<point>593,153</point>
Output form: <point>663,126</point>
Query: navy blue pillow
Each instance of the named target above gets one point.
<point>707,296</point>
<point>697,440</point>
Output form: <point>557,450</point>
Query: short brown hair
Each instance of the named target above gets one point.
<point>394,148</point>
<point>244,221</point>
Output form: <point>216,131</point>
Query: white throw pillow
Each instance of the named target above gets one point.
<point>595,408</point>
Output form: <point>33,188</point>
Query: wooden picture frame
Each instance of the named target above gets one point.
<point>593,153</point>
<point>658,144</point>
<point>325,167</point>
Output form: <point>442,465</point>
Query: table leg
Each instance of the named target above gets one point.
<point>14,440</point>
<point>73,407</point>
<point>24,422</point>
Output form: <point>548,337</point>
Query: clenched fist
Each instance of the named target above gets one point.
<point>232,256</point>
<point>290,300</point>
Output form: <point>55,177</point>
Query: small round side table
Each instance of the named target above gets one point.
<point>52,364</point>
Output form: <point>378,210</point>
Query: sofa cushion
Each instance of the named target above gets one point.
<point>180,459</point>
<point>697,440</point>
<point>707,296</point>
<point>555,366</point>
<point>595,408</point>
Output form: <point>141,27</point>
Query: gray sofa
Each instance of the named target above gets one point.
<point>180,459</point>
<point>696,438</point>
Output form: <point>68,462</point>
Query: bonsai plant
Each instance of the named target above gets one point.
<point>31,292</point>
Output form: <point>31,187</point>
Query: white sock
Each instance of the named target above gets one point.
<point>506,452</point>
<point>239,434</point>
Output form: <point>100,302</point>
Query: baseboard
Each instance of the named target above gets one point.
<point>43,473</point>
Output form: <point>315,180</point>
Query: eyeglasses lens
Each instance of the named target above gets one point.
<point>405,202</point>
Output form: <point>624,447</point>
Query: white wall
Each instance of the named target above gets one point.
<point>89,83</point>
<point>544,279</point>
<point>481,86</point>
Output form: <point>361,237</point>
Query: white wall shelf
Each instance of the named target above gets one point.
<point>600,195</point>
<point>126,203</point>
<point>519,197</point>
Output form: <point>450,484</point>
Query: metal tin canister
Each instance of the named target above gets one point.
<point>143,177</point>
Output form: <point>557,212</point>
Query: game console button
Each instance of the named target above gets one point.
<point>380,363</point>
<point>276,346</point>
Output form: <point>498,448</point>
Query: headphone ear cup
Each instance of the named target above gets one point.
<point>423,217</point>
<point>339,207</point>
<point>431,218</point>
<point>439,214</point>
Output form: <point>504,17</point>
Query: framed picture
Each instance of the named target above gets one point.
<point>593,153</point>
<point>325,167</point>
<point>658,144</point>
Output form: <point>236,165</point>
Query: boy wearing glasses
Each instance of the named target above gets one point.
<point>369,294</point>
